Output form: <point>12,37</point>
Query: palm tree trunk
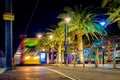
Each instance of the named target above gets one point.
<point>91,53</point>
<point>109,57</point>
<point>80,49</point>
<point>97,59</point>
<point>52,55</point>
<point>114,62</point>
<point>75,51</point>
<point>59,56</point>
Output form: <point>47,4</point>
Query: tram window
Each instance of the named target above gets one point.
<point>31,48</point>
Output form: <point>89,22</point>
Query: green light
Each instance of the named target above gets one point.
<point>30,44</point>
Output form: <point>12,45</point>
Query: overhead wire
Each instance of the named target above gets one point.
<point>31,17</point>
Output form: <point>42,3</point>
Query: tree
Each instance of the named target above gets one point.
<point>44,42</point>
<point>58,39</point>
<point>83,22</point>
<point>113,13</point>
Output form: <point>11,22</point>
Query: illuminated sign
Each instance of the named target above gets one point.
<point>30,44</point>
<point>8,16</point>
<point>43,57</point>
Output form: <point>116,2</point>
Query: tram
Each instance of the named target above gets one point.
<point>28,52</point>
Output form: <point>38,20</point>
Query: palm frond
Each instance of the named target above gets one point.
<point>104,3</point>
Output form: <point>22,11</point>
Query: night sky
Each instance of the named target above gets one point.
<point>45,15</point>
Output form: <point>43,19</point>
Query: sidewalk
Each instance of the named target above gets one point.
<point>105,66</point>
<point>2,70</point>
<point>100,66</point>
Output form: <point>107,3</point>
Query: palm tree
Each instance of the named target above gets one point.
<point>83,22</point>
<point>44,42</point>
<point>113,12</point>
<point>58,34</point>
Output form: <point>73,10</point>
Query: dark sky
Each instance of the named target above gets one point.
<point>43,17</point>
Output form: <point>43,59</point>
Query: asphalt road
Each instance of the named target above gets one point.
<point>78,73</point>
<point>60,73</point>
<point>32,73</point>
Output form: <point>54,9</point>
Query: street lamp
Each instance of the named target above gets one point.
<point>39,35</point>
<point>51,49</point>
<point>67,19</point>
<point>51,36</point>
<point>102,23</point>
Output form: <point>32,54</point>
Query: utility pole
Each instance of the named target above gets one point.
<point>8,17</point>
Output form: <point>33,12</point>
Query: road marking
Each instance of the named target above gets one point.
<point>61,74</point>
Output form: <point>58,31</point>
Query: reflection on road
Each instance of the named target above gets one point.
<point>32,73</point>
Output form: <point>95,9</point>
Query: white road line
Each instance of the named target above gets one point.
<point>61,74</point>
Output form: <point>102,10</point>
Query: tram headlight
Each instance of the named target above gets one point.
<point>27,57</point>
<point>36,57</point>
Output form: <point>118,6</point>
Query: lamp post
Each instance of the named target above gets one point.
<point>102,23</point>
<point>96,63</point>
<point>39,35</point>
<point>8,17</point>
<point>51,50</point>
<point>67,19</point>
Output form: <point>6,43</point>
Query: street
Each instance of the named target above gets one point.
<point>59,73</point>
<point>31,73</point>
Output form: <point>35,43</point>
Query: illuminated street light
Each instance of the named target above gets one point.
<point>51,36</point>
<point>67,19</point>
<point>39,35</point>
<point>102,23</point>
